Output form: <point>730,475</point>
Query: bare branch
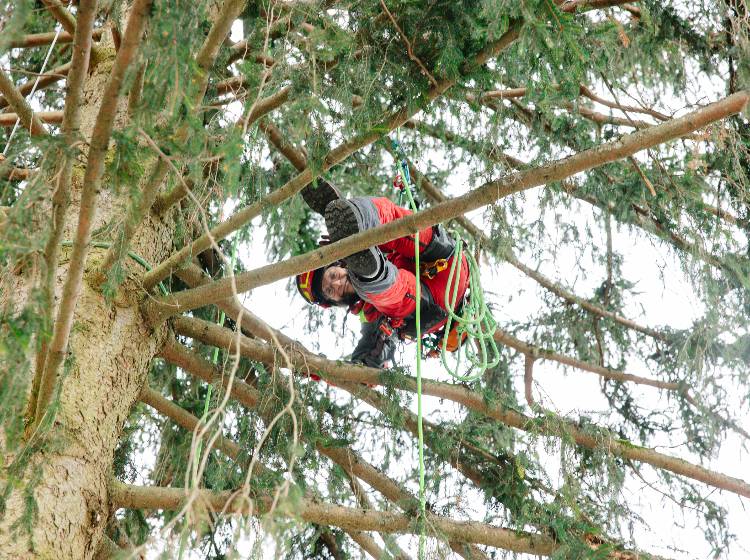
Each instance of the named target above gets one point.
<point>29,120</point>
<point>528,379</point>
<point>137,497</point>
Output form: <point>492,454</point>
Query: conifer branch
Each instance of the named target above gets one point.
<point>368,544</point>
<point>337,372</point>
<point>159,310</point>
<point>572,6</point>
<point>40,39</point>
<point>45,80</point>
<point>409,49</point>
<point>644,219</point>
<point>261,108</point>
<point>185,420</point>
<point>138,497</point>
<point>335,156</point>
<point>16,173</point>
<point>191,423</point>
<point>61,14</point>
<point>61,197</point>
<point>222,25</point>
<point>507,254</point>
<point>47,117</point>
<point>350,461</point>
<point>24,112</point>
<point>585,91</point>
<point>91,182</point>
<point>138,210</point>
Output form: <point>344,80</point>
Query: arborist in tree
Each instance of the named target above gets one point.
<point>379,283</point>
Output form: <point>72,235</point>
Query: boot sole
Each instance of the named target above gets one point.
<point>320,196</point>
<point>342,220</point>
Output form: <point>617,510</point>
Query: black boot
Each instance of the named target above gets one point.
<point>343,219</point>
<point>319,194</point>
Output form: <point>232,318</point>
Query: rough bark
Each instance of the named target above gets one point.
<point>108,359</point>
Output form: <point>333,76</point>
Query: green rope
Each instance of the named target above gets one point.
<point>135,256</point>
<point>406,181</point>
<point>475,320</point>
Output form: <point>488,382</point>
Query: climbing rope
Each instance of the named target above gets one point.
<point>406,182</point>
<point>475,321</point>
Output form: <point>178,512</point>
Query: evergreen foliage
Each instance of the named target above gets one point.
<point>347,67</point>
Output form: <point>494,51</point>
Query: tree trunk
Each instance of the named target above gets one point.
<point>58,506</point>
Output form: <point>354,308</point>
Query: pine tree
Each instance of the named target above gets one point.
<point>146,411</point>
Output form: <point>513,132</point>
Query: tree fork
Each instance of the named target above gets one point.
<point>158,310</point>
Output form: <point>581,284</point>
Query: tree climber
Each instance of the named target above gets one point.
<point>379,283</point>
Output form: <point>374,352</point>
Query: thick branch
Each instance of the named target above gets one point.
<point>333,157</point>
<point>39,39</point>
<point>489,192</point>
<point>338,371</point>
<point>78,68</point>
<point>437,196</point>
<point>23,110</point>
<point>61,14</point>
<point>45,80</point>
<point>48,117</point>
<point>137,497</point>
<point>91,182</point>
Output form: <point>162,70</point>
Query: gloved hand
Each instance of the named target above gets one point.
<point>375,348</point>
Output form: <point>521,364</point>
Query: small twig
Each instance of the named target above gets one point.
<point>642,175</point>
<point>528,379</point>
<point>409,49</point>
